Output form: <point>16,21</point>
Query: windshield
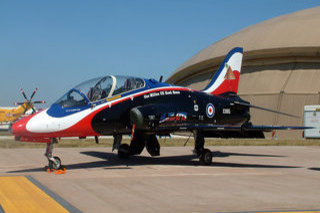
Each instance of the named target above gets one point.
<point>72,99</point>
<point>99,88</point>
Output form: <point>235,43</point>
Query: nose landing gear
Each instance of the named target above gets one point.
<point>54,162</point>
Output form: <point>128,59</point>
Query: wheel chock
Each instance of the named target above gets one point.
<point>60,171</point>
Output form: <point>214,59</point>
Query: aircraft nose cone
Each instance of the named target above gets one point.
<point>19,128</point>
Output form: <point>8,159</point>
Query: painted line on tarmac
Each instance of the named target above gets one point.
<point>18,194</point>
<point>53,195</point>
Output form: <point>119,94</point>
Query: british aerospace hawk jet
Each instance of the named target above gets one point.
<point>123,105</point>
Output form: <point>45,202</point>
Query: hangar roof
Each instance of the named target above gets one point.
<point>292,34</point>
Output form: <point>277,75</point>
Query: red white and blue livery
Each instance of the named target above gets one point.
<point>118,105</point>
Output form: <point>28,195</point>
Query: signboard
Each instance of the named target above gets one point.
<point>312,118</point>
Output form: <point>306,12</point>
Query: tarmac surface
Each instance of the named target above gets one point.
<point>242,179</point>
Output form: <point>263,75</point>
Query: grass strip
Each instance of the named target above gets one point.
<point>107,142</point>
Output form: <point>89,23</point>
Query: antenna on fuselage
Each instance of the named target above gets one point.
<point>161,77</point>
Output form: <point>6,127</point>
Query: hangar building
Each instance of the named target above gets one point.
<point>281,67</point>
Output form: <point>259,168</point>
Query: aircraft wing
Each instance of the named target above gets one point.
<point>270,128</point>
<point>211,127</point>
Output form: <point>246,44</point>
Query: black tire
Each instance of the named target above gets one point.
<point>152,145</point>
<point>124,151</point>
<point>56,165</point>
<point>137,144</point>
<point>206,157</point>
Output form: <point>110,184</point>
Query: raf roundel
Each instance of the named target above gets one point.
<point>210,110</point>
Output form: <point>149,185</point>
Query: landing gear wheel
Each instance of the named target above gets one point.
<point>206,157</point>
<point>55,164</point>
<point>124,151</point>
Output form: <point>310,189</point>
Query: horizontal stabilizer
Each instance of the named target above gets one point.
<point>265,109</point>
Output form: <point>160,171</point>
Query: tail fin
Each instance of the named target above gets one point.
<point>226,79</point>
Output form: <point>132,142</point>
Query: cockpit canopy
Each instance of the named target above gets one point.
<point>98,89</point>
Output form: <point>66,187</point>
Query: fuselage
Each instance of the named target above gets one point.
<point>104,106</point>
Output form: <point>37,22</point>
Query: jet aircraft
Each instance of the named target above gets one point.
<point>144,108</point>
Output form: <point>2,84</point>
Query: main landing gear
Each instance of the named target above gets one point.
<point>123,149</point>
<point>54,162</point>
<point>137,144</point>
<point>204,155</point>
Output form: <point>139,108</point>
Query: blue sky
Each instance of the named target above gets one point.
<point>54,45</point>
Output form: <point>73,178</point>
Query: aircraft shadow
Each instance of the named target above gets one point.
<point>112,161</point>
<point>184,160</point>
<point>227,154</point>
<point>315,169</point>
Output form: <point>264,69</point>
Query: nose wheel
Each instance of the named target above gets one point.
<point>54,162</point>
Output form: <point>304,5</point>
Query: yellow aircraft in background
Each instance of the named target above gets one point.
<point>9,115</point>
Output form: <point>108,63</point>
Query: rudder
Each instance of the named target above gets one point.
<point>226,79</point>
